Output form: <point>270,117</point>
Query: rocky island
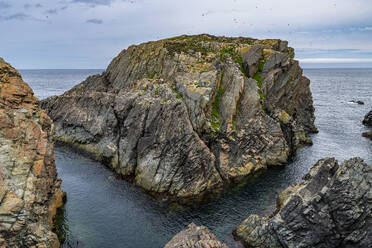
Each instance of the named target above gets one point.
<point>29,188</point>
<point>185,115</point>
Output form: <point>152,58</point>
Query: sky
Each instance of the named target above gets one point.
<point>71,34</point>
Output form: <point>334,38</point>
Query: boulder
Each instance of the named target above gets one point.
<point>29,188</point>
<point>332,207</point>
<point>195,237</point>
<point>184,116</point>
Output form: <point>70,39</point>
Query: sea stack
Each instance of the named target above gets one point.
<point>332,208</point>
<point>29,188</point>
<point>185,115</point>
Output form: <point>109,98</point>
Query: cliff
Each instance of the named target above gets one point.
<point>330,208</point>
<point>29,188</point>
<point>185,115</point>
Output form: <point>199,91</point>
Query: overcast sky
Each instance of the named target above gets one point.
<point>89,33</point>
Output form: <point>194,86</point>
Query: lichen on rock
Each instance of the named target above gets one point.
<point>29,188</point>
<point>183,116</point>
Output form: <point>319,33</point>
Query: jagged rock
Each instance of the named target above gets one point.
<point>29,188</point>
<point>368,119</point>
<point>367,134</point>
<point>181,116</point>
<point>195,237</point>
<point>330,208</point>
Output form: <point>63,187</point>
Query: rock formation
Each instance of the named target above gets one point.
<point>330,208</point>
<point>368,122</point>
<point>195,237</point>
<point>29,189</point>
<point>185,115</point>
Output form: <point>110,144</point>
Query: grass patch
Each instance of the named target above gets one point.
<point>178,94</point>
<point>216,123</point>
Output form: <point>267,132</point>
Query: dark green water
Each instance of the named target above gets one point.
<point>103,211</point>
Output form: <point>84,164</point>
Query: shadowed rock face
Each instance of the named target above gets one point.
<point>188,114</point>
<point>195,237</point>
<point>29,189</point>
<point>332,207</point>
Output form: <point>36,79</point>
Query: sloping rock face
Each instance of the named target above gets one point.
<point>195,237</point>
<point>330,208</point>
<point>185,115</point>
<point>29,189</point>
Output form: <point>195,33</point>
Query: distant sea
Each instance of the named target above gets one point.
<point>49,82</point>
<point>104,211</point>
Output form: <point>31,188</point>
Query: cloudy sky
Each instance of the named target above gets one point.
<point>89,33</point>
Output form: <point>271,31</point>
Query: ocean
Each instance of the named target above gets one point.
<point>105,211</point>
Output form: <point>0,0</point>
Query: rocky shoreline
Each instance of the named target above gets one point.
<point>186,115</point>
<point>30,191</point>
<point>330,208</point>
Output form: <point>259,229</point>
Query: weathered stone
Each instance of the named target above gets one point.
<point>29,188</point>
<point>181,117</point>
<point>195,237</point>
<point>332,207</point>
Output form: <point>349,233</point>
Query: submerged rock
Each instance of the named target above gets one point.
<point>185,115</point>
<point>29,188</point>
<point>195,237</point>
<point>330,208</point>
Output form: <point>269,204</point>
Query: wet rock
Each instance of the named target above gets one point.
<point>357,101</point>
<point>368,119</point>
<point>29,188</point>
<point>185,115</point>
<point>367,134</point>
<point>330,208</point>
<point>195,237</point>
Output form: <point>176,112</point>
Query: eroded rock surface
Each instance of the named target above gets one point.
<point>188,114</point>
<point>330,208</point>
<point>195,237</point>
<point>29,188</point>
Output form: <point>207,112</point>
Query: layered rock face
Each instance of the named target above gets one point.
<point>195,237</point>
<point>29,188</point>
<point>332,207</point>
<point>185,115</point>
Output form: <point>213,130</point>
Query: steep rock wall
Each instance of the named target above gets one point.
<point>29,188</point>
<point>188,114</point>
